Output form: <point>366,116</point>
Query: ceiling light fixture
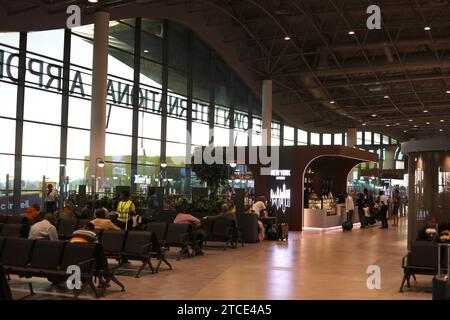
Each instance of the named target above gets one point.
<point>145,51</point>
<point>374,115</point>
<point>442,120</point>
<point>386,97</point>
<point>428,123</point>
<point>425,111</point>
<point>405,131</point>
<point>332,101</point>
<point>448,91</point>
<point>388,125</point>
<point>397,124</point>
<point>93,1</point>
<point>287,38</point>
<point>364,124</point>
<point>427,28</point>
<point>441,130</point>
<point>410,120</point>
<point>351,32</point>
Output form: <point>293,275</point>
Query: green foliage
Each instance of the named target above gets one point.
<point>214,175</point>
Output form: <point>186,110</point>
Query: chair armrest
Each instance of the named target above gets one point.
<point>405,261</point>
<point>142,251</point>
<point>82,263</point>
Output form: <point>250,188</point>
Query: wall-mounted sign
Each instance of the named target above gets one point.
<point>280,174</point>
<point>139,179</point>
<point>281,198</point>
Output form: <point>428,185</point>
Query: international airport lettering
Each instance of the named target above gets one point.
<point>281,198</point>
<point>374,20</point>
<point>49,76</point>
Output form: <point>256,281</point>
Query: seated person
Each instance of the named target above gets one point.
<point>101,223</point>
<point>45,229</point>
<point>32,214</point>
<point>260,208</point>
<point>87,212</point>
<point>429,231</point>
<point>69,211</point>
<point>199,235</point>
<point>225,213</point>
<point>85,234</point>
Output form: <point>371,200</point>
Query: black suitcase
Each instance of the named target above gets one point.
<point>441,285</point>
<point>283,231</point>
<point>347,226</point>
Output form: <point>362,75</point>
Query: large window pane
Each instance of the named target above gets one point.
<point>176,130</point>
<point>302,137</point>
<point>120,120</point>
<point>175,154</point>
<point>221,136</point>
<point>42,106</point>
<point>49,43</point>
<point>149,151</point>
<point>118,147</point>
<point>200,134</point>
<point>10,38</point>
<point>376,138</point>
<point>79,113</point>
<point>326,139</point>
<point>81,48</point>
<point>338,139</point>
<point>8,93</point>
<point>78,143</point>
<point>149,125</point>
<point>7,136</point>
<point>41,140</point>
<point>34,168</point>
<point>76,171</point>
<point>367,138</point>
<point>315,139</point>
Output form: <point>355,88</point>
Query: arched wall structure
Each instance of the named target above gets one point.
<point>293,162</point>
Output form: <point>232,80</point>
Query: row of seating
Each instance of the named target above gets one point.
<point>11,230</point>
<point>51,259</point>
<point>422,259</point>
<point>11,219</point>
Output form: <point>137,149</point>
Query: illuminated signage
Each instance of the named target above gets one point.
<point>138,179</point>
<point>281,198</point>
<point>280,174</point>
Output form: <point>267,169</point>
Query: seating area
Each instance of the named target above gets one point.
<point>421,259</point>
<point>50,259</point>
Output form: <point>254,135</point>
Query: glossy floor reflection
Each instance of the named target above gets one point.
<point>312,265</point>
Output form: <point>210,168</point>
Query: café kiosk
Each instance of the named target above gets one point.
<point>285,187</point>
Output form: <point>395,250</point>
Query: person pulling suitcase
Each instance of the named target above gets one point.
<point>349,209</point>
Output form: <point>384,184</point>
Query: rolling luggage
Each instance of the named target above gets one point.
<point>441,285</point>
<point>347,226</point>
<point>283,231</point>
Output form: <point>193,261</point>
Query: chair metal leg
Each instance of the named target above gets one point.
<point>403,283</point>
<point>144,263</point>
<point>30,286</point>
<point>149,262</point>
<point>94,289</point>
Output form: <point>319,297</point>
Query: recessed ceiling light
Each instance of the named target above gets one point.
<point>427,28</point>
<point>364,124</point>
<point>415,126</point>
<point>287,38</point>
<point>332,101</point>
<point>397,124</point>
<point>388,125</point>
<point>374,115</point>
<point>425,111</point>
<point>351,32</point>
<point>405,131</point>
<point>410,120</point>
<point>448,91</point>
<point>386,97</point>
<point>145,51</point>
<point>442,120</point>
<point>93,1</point>
<point>428,123</point>
<point>441,130</point>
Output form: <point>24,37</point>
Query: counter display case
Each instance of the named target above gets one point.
<point>323,213</point>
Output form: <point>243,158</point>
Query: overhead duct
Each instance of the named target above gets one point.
<point>317,92</point>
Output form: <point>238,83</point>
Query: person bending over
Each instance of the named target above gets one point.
<point>45,229</point>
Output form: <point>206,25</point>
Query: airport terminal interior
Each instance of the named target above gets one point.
<point>225,150</point>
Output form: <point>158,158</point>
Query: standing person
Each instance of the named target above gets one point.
<point>50,199</point>
<point>152,204</point>
<point>125,211</point>
<point>349,207</point>
<point>383,201</point>
<point>395,206</point>
<point>361,203</point>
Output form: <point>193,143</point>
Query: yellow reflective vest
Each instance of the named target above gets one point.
<point>124,209</point>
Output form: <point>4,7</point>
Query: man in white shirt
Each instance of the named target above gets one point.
<point>44,230</point>
<point>383,203</point>
<point>349,207</point>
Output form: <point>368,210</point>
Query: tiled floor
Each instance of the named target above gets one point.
<point>312,265</point>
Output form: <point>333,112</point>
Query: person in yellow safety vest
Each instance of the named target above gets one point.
<point>125,211</point>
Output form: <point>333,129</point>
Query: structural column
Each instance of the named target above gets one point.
<point>99,91</point>
<point>351,137</point>
<point>266,112</point>
<point>389,157</point>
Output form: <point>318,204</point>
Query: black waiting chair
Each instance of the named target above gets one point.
<point>223,230</point>
<point>12,230</point>
<point>66,227</point>
<point>5,290</point>
<point>179,235</point>
<point>82,223</point>
<point>421,259</point>
<point>3,218</point>
<point>83,256</point>
<point>2,243</point>
<point>1,225</point>
<point>159,229</point>
<point>138,247</point>
<point>103,272</point>
<point>45,257</point>
<point>112,242</point>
